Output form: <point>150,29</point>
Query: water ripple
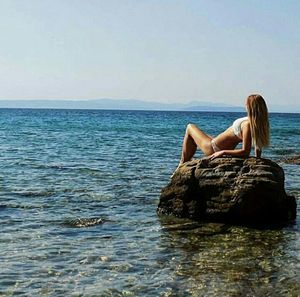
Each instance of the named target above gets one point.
<point>79,190</point>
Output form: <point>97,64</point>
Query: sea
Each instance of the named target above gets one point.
<point>78,196</point>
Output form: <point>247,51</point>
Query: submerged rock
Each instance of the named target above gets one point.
<point>228,190</point>
<point>83,222</point>
<point>291,160</point>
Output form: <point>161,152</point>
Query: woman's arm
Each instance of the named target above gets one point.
<point>244,151</point>
<point>257,152</point>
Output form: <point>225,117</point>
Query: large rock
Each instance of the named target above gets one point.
<point>229,190</point>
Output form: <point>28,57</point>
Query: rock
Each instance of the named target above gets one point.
<point>83,222</point>
<point>291,160</point>
<point>236,190</point>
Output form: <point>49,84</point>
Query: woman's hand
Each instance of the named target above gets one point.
<point>216,155</point>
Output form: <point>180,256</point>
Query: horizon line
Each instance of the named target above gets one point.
<point>151,110</point>
<point>135,104</point>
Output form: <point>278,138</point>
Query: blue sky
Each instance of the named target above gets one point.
<point>167,51</point>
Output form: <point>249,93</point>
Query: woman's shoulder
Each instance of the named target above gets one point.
<point>245,123</point>
<point>245,127</point>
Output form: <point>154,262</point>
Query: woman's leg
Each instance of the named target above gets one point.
<point>194,137</point>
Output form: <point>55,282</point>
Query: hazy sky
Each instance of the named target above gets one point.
<point>168,51</point>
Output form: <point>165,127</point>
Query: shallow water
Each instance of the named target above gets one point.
<point>79,191</point>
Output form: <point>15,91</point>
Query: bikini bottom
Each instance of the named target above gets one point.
<point>214,146</point>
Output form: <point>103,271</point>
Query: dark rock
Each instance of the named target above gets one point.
<point>83,222</point>
<point>229,190</point>
<point>291,160</point>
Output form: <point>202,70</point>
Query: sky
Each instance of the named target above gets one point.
<point>155,50</point>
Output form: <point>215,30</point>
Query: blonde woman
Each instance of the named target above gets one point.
<point>250,130</point>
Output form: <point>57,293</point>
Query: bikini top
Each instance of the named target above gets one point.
<point>237,126</point>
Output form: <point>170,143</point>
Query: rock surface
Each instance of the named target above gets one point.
<point>291,160</point>
<point>237,190</point>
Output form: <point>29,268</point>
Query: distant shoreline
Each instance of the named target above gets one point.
<point>141,110</point>
<point>133,104</point>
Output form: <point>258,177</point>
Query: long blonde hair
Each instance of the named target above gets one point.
<point>259,121</point>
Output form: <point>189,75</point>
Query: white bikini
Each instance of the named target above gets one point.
<point>237,126</point>
<point>237,130</point>
<point>214,146</point>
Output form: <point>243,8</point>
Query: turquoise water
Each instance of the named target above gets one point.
<point>79,191</point>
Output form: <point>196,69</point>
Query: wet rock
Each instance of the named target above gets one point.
<point>228,190</point>
<point>291,160</point>
<point>83,222</point>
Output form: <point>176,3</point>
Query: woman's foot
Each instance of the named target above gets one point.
<point>180,163</point>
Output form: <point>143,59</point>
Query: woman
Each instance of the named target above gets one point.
<point>250,130</point>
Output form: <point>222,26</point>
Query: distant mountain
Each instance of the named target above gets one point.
<point>204,106</point>
<point>285,108</point>
<point>125,104</point>
<point>85,104</point>
<point>130,104</point>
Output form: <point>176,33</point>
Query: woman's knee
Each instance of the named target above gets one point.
<point>190,127</point>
